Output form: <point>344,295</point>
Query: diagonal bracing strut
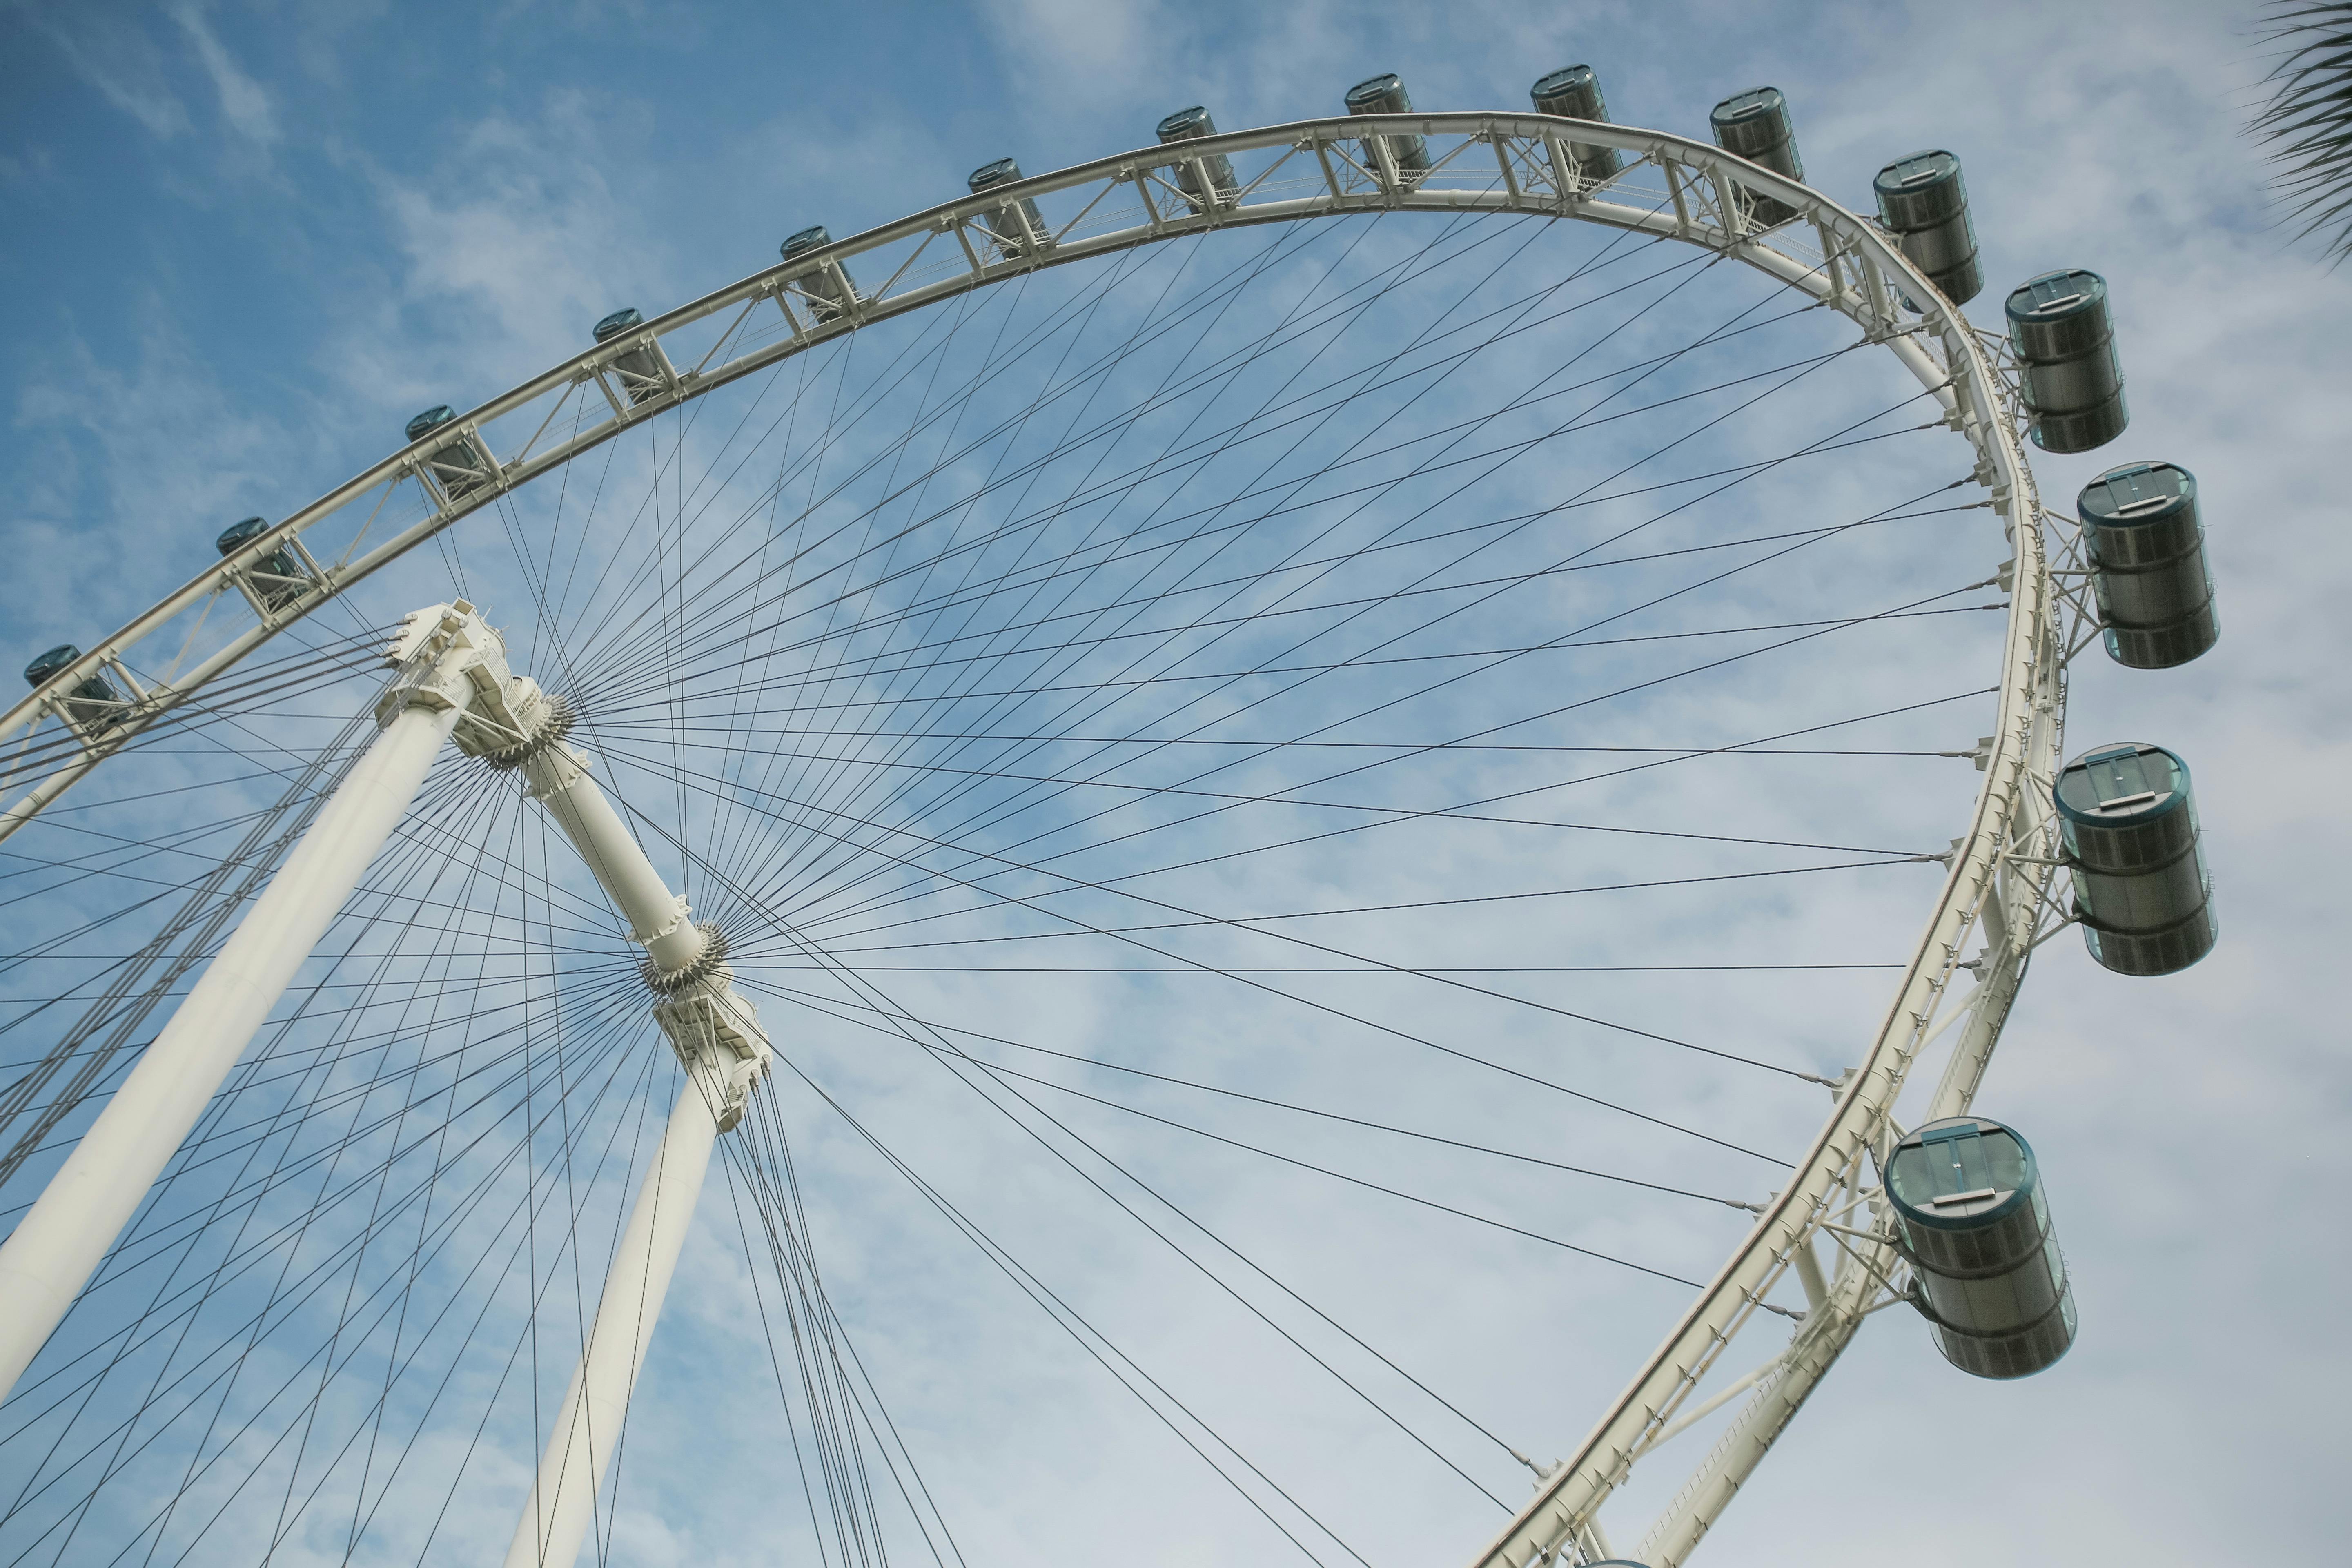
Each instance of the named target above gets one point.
<point>451,682</point>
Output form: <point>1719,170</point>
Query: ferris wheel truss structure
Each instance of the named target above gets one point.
<point>1829,1226</point>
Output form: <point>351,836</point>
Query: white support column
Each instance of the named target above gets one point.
<point>661,923</point>
<point>58,1244</point>
<point>718,1037</point>
<point>562,1503</point>
<point>454,684</point>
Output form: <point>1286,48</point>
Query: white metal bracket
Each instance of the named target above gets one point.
<point>717,1035</point>
<point>448,656</point>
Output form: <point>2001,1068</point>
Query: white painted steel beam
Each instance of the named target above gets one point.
<point>563,1502</point>
<point>510,723</point>
<point>660,923</point>
<point>1525,140</point>
<point>1969,391</point>
<point>717,1038</point>
<point>60,1242</point>
<point>2007,907</point>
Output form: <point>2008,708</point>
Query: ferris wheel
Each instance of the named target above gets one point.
<point>1371,699</point>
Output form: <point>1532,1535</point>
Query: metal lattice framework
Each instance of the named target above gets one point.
<point>1998,895</point>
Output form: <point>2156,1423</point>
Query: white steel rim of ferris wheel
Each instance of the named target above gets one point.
<point>1523,163</point>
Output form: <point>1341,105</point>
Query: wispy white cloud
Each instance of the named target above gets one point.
<point>116,56</point>
<point>507,247</point>
<point>243,102</point>
<point>145,461</point>
<point>34,165</point>
<point>1085,48</point>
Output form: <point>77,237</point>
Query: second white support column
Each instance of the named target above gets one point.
<point>562,1503</point>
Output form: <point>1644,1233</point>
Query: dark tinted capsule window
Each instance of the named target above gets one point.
<point>1969,1163</point>
<point>2120,776</point>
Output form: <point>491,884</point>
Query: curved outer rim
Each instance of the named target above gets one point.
<point>1994,882</point>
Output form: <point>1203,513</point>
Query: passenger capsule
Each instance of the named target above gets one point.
<point>1574,93</point>
<point>640,369</point>
<point>1019,227</point>
<point>828,298</point>
<point>2147,546</point>
<point>1976,1228</point>
<point>1923,200</point>
<point>2065,343</point>
<point>462,466</point>
<point>2130,824</point>
<point>1386,95</point>
<point>1754,125</point>
<point>91,702</point>
<point>277,579</point>
<point>1190,125</point>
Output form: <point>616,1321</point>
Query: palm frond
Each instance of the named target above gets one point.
<point>2307,119</point>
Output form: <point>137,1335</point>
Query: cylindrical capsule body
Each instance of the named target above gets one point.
<point>278,578</point>
<point>1019,227</point>
<point>2147,544</point>
<point>1221,187</point>
<point>91,702</point>
<point>461,466</point>
<point>1923,201</point>
<point>1574,93</point>
<point>2130,824</point>
<point>1754,125</point>
<point>1976,1227</point>
<point>2065,345</point>
<point>827,298</point>
<point>640,369</point>
<point>1386,95</point>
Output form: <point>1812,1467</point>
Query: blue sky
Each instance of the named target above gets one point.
<point>247,242</point>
